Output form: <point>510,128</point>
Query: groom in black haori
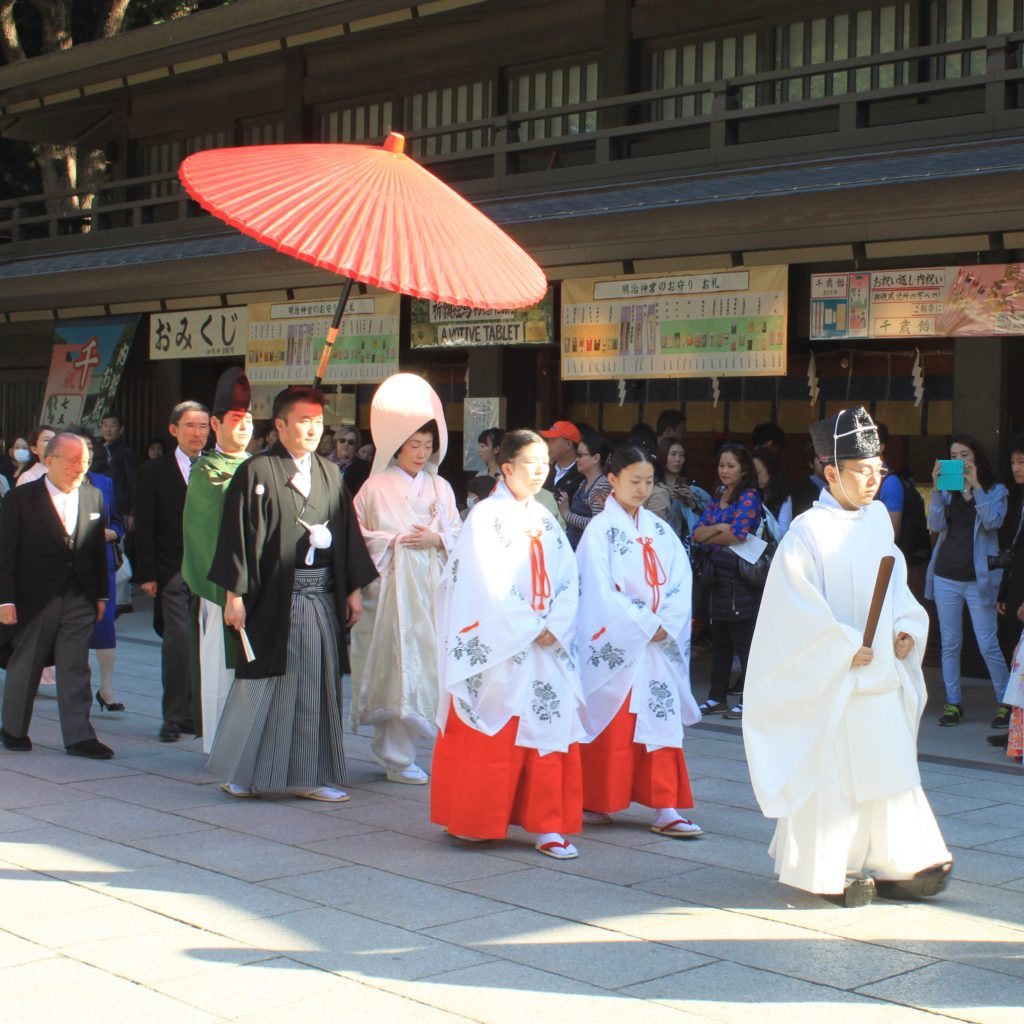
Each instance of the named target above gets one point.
<point>292,561</point>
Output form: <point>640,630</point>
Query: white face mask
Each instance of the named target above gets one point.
<point>22,455</point>
<point>471,500</point>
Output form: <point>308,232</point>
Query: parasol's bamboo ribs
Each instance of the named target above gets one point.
<point>885,568</point>
<point>332,334</point>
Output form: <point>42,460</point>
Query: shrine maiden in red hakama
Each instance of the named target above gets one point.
<point>633,632</point>
<point>510,699</point>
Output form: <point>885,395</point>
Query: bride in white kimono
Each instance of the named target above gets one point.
<point>633,632</point>
<point>409,521</point>
<point>830,725</point>
<point>510,691</point>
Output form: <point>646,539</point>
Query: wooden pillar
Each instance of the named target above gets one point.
<point>981,391</point>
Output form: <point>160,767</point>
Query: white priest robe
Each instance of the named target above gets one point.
<point>635,579</point>
<point>394,645</point>
<point>832,749</point>
<point>498,593</point>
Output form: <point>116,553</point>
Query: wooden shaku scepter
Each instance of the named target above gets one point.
<point>885,568</point>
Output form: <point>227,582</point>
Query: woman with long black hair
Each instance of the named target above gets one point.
<point>733,604</point>
<point>774,487</point>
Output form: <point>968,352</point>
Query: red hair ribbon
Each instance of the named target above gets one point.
<point>539,579</point>
<point>654,573</point>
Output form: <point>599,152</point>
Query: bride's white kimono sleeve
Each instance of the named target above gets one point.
<point>635,578</point>
<point>511,575</point>
<point>805,708</point>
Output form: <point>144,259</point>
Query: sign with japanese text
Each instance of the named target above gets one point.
<point>286,339</point>
<point>199,333</point>
<point>86,365</point>
<point>927,302</point>
<point>442,325</point>
<point>716,323</point>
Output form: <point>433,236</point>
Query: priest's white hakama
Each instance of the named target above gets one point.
<point>832,749</point>
<point>394,644</point>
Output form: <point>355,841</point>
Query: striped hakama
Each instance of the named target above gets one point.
<point>284,732</point>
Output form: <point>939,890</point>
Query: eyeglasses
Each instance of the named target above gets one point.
<point>74,463</point>
<point>584,455</point>
<point>346,440</point>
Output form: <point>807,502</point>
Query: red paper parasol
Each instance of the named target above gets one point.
<point>369,213</point>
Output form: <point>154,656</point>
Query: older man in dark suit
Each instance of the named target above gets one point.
<point>159,505</point>
<point>53,588</point>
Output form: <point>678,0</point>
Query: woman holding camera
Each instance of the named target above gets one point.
<point>967,522</point>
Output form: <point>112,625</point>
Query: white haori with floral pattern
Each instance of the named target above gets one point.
<point>488,618</point>
<point>626,596</point>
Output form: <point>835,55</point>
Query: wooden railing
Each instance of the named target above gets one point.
<point>819,109</point>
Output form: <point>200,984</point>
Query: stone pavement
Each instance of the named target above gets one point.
<point>134,890</point>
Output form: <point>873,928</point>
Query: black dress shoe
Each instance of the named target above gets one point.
<point>858,891</point>
<point>109,705</point>
<point>924,884</point>
<point>15,742</point>
<point>188,726</point>
<point>170,732</point>
<point>90,748</point>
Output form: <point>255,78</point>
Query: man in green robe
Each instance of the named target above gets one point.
<point>215,647</point>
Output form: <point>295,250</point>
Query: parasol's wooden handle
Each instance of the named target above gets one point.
<point>332,334</point>
<point>325,356</point>
<point>885,568</point>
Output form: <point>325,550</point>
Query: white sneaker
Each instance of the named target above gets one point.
<point>326,793</point>
<point>414,775</point>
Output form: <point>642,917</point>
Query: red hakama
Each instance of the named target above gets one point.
<point>479,784</point>
<point>618,772</point>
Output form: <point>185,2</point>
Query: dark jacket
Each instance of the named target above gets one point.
<point>159,504</point>
<point>259,548</point>
<point>36,562</point>
<point>1011,587</point>
<point>120,463</point>
<point>731,598</point>
<point>572,479</point>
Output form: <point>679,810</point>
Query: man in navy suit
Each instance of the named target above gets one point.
<point>159,504</point>
<point>53,588</point>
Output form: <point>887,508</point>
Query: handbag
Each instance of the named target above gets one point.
<point>703,577</point>
<point>122,569</point>
<point>115,547</point>
<point>754,574</point>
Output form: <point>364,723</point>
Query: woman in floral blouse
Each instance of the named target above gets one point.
<point>733,605</point>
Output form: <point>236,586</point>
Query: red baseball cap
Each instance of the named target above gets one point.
<point>562,428</point>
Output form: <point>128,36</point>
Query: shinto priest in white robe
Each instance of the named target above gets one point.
<point>498,593</point>
<point>634,579</point>
<point>832,749</point>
